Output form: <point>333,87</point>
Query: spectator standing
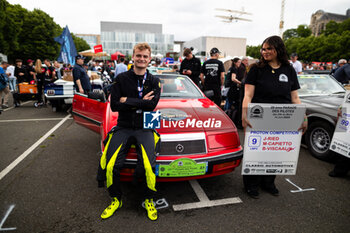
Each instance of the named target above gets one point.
<point>233,95</point>
<point>12,78</point>
<point>298,67</point>
<point>81,79</point>
<point>50,73</point>
<point>191,66</point>
<point>271,80</point>
<point>120,67</point>
<point>341,62</point>
<point>30,71</point>
<point>20,72</point>
<point>58,70</point>
<point>342,75</point>
<point>214,73</point>
<point>40,77</point>
<point>4,85</point>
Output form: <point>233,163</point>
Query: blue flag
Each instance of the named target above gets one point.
<point>68,50</point>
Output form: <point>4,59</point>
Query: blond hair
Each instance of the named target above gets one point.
<point>142,46</point>
<point>38,66</point>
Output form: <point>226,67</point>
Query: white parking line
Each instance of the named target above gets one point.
<point>4,110</point>
<point>4,172</point>
<point>4,219</point>
<point>204,200</point>
<point>39,119</point>
<point>299,189</point>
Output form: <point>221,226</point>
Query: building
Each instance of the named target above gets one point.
<point>121,36</point>
<point>91,39</point>
<point>320,19</point>
<point>228,46</point>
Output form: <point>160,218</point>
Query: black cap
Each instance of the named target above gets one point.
<point>214,51</point>
<point>79,57</point>
<point>294,55</point>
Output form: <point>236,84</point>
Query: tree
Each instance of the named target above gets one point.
<point>303,31</point>
<point>254,51</point>
<point>290,33</point>
<point>80,44</point>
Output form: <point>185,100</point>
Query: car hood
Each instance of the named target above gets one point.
<point>323,101</point>
<point>192,115</point>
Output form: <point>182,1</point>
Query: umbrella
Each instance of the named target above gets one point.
<point>90,53</point>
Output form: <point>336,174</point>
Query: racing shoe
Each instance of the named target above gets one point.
<point>109,211</point>
<point>151,210</point>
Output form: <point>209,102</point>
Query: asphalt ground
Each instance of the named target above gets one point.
<point>54,189</point>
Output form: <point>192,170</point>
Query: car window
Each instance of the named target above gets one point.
<point>176,86</point>
<point>318,85</point>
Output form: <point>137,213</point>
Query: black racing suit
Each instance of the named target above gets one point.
<point>129,131</point>
<point>193,64</point>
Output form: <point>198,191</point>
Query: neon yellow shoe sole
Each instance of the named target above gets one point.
<point>151,211</point>
<point>109,211</point>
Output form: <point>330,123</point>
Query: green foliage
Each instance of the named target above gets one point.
<point>80,44</point>
<point>30,34</point>
<point>290,33</point>
<point>300,31</point>
<point>253,51</point>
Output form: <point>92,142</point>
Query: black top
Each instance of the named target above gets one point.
<point>126,85</point>
<point>212,70</point>
<point>194,64</point>
<point>241,73</point>
<point>342,74</point>
<point>80,73</point>
<point>49,77</point>
<point>29,69</point>
<point>273,85</point>
<point>21,78</point>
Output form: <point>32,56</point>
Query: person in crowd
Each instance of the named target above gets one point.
<point>341,62</point>
<point>4,85</point>
<point>12,77</point>
<point>233,95</point>
<point>58,70</point>
<point>50,73</point>
<point>31,78</point>
<point>296,64</point>
<point>241,75</point>
<point>271,80</point>
<point>40,77</point>
<point>191,66</point>
<point>120,68</point>
<point>133,92</point>
<point>342,74</point>
<point>309,66</point>
<point>214,72</point>
<point>81,79</point>
<point>20,72</point>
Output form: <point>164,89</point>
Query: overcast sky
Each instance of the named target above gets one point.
<point>184,18</point>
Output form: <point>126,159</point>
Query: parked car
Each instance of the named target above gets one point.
<point>193,129</point>
<point>322,95</point>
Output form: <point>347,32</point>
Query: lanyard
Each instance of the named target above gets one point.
<point>140,88</point>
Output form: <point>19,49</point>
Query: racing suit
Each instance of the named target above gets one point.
<point>129,131</point>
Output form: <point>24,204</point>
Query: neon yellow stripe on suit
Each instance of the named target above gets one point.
<point>156,139</point>
<point>150,176</point>
<point>103,160</point>
<point>110,166</point>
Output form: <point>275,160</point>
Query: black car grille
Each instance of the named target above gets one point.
<point>183,147</point>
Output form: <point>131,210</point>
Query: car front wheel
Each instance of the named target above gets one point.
<point>318,140</point>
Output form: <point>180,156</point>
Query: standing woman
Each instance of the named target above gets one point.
<point>233,93</point>
<point>40,77</point>
<point>271,80</point>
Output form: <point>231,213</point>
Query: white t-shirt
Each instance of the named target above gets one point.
<point>11,70</point>
<point>297,66</point>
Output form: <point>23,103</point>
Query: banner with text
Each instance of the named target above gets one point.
<point>341,137</point>
<point>272,146</point>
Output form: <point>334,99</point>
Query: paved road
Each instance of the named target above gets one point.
<point>53,189</point>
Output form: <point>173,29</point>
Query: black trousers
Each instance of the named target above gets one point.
<point>342,165</point>
<point>40,91</point>
<point>253,182</point>
<point>117,150</point>
<point>217,94</point>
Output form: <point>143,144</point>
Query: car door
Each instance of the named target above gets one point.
<point>90,112</point>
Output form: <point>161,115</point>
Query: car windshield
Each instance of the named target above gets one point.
<point>319,85</point>
<point>177,86</point>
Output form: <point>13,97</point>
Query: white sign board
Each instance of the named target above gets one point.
<point>272,146</point>
<point>341,137</point>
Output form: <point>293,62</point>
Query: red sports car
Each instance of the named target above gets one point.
<point>198,139</point>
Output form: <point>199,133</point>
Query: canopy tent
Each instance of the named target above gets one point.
<point>91,53</point>
<point>116,55</point>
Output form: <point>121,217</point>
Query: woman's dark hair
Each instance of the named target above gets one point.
<point>277,43</point>
<point>234,61</point>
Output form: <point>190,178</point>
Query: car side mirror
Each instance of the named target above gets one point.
<point>209,93</point>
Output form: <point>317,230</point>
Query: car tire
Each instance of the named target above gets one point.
<point>318,139</point>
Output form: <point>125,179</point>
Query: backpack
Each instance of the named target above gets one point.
<point>3,81</point>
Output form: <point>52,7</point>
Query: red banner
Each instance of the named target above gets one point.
<point>98,48</point>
